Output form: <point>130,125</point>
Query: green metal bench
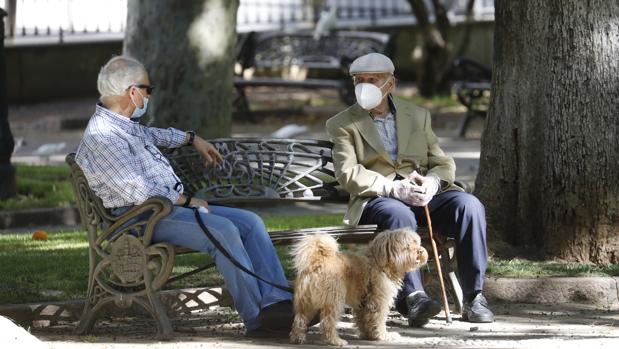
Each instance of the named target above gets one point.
<point>127,268</point>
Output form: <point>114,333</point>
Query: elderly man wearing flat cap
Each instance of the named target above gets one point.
<point>388,158</point>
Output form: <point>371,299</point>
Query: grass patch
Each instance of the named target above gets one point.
<point>57,269</point>
<point>40,186</point>
<point>523,268</point>
<point>43,270</point>
<point>437,101</point>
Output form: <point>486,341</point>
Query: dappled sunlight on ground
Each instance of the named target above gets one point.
<point>517,326</point>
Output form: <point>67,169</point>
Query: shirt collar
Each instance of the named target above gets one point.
<point>391,104</point>
<point>388,117</point>
<point>392,109</point>
<point>115,118</point>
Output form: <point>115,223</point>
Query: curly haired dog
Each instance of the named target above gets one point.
<point>327,279</point>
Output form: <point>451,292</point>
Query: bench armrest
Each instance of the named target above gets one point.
<point>135,222</point>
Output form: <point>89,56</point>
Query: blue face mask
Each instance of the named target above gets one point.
<point>139,112</point>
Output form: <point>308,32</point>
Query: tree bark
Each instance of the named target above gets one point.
<point>550,151</point>
<point>436,59</point>
<point>8,186</point>
<point>188,48</point>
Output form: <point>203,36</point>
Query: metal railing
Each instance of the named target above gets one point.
<point>60,20</point>
<point>257,15</point>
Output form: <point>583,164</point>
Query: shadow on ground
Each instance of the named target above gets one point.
<point>517,325</point>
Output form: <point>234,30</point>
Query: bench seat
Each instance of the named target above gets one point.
<point>126,267</point>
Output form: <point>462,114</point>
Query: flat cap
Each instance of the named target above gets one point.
<point>372,63</point>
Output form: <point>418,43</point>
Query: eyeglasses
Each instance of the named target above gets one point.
<point>149,88</point>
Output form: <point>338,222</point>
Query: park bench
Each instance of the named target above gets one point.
<point>273,55</point>
<point>473,90</point>
<point>127,268</point>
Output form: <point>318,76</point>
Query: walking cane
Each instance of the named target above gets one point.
<point>438,266</point>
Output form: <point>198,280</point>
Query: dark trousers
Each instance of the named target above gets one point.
<point>454,214</point>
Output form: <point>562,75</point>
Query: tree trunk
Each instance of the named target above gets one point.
<point>8,187</point>
<point>435,52</point>
<point>188,48</point>
<point>550,150</point>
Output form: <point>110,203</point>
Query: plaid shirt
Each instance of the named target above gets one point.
<point>387,130</point>
<point>122,163</point>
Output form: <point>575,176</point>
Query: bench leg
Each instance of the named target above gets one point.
<point>92,309</point>
<point>96,298</point>
<point>156,309</point>
<point>152,304</point>
<point>470,115</point>
<point>100,297</point>
<point>455,291</point>
<point>465,123</point>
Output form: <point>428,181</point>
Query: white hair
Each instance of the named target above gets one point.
<point>118,74</point>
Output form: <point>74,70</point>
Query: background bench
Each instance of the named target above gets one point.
<point>277,57</point>
<point>472,90</point>
<point>127,268</point>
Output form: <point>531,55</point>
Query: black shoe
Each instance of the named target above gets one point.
<point>477,310</point>
<point>420,309</point>
<point>276,321</point>
<point>277,317</point>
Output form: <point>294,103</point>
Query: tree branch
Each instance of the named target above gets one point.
<point>464,44</point>
<point>442,21</point>
<point>431,34</point>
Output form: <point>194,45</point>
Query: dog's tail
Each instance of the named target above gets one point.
<point>311,251</point>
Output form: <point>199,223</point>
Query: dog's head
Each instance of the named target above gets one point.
<point>398,251</point>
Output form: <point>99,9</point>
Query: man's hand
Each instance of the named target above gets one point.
<point>208,152</point>
<point>195,202</point>
<point>425,188</point>
<point>402,190</point>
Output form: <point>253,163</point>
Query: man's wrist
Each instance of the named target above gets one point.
<point>191,135</point>
<point>187,200</point>
<point>437,182</point>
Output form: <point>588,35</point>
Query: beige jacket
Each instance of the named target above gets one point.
<point>362,165</point>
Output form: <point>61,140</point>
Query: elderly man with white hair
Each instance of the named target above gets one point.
<point>388,158</point>
<point>124,167</point>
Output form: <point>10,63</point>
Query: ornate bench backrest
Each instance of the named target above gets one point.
<point>260,169</point>
<point>122,257</point>
<point>279,49</point>
<point>90,206</point>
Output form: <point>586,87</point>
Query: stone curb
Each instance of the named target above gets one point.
<point>603,292</point>
<point>37,217</point>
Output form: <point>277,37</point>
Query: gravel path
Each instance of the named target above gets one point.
<point>517,326</point>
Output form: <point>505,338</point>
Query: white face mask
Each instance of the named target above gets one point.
<point>139,112</point>
<point>368,95</point>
